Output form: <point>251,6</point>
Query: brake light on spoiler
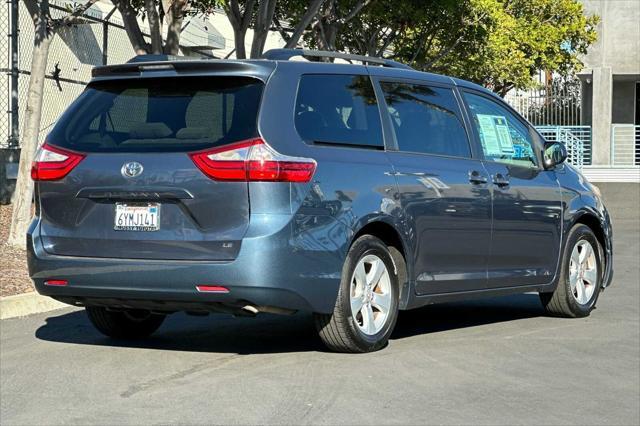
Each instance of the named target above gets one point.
<point>253,161</point>
<point>53,163</point>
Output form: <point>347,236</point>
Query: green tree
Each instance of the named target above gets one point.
<point>519,39</point>
<point>414,31</point>
<point>500,44</point>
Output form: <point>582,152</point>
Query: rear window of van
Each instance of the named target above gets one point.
<point>160,115</point>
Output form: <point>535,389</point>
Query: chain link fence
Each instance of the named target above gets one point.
<point>5,73</point>
<point>100,40</point>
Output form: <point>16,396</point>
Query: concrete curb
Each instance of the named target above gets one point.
<point>21,305</point>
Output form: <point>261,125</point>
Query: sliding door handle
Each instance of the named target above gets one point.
<point>477,178</point>
<point>500,180</point>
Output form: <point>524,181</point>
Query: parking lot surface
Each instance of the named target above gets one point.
<point>489,361</point>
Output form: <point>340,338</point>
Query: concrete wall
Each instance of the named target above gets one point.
<point>615,56</point>
<point>618,45</point>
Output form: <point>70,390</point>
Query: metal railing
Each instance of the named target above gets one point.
<point>625,145</point>
<point>555,102</point>
<point>577,139</point>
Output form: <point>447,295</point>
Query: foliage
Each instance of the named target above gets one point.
<point>159,13</point>
<point>242,15</point>
<point>328,24</point>
<point>500,44</point>
<point>522,38</point>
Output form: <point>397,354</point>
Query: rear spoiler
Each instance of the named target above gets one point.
<point>166,66</point>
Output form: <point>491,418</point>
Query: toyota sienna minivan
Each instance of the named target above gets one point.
<point>351,191</point>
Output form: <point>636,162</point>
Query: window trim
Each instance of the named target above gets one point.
<point>340,145</point>
<point>390,133</point>
<point>537,148</point>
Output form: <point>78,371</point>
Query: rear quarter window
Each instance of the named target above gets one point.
<point>160,115</point>
<point>338,110</point>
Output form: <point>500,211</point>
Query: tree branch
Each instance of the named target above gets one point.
<point>443,53</point>
<point>421,43</point>
<point>306,20</point>
<point>70,18</point>
<point>154,26</point>
<point>130,21</point>
<point>390,38</point>
<point>266,12</point>
<point>357,8</point>
<point>174,16</point>
<point>283,33</point>
<point>247,14</point>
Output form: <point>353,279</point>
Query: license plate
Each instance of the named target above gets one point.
<point>137,217</point>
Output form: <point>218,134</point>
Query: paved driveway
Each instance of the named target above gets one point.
<point>494,361</point>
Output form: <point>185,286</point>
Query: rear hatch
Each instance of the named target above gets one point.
<point>132,189</point>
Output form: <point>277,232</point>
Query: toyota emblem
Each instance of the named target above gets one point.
<point>131,169</point>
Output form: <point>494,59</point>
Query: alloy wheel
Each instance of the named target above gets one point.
<point>583,272</point>
<point>370,294</point>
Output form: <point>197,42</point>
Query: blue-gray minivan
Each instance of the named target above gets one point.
<point>351,191</point>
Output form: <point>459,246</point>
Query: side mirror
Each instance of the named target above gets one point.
<point>554,153</point>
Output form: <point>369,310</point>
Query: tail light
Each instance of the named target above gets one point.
<point>253,161</point>
<point>53,163</point>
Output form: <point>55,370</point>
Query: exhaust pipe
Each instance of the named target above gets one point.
<point>250,309</point>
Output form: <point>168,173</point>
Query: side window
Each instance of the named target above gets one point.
<point>503,137</point>
<point>426,119</point>
<point>338,109</point>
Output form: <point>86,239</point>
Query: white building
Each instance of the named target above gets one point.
<point>611,83</point>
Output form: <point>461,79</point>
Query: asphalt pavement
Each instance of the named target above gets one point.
<point>491,361</point>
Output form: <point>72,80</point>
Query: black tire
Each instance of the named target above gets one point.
<point>132,324</point>
<point>561,302</point>
<point>338,330</point>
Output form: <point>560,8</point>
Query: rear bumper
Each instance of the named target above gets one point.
<point>271,271</point>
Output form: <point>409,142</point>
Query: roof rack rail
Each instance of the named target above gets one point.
<point>286,54</point>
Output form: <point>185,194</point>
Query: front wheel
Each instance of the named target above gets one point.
<point>130,324</point>
<point>581,276</point>
<point>366,309</point>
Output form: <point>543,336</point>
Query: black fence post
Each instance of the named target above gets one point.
<point>14,134</point>
<point>105,36</point>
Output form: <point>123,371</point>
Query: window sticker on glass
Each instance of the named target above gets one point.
<point>494,135</point>
<point>488,135</point>
<point>506,143</point>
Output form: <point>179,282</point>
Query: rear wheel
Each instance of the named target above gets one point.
<point>366,309</point>
<point>581,276</point>
<point>130,324</point>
